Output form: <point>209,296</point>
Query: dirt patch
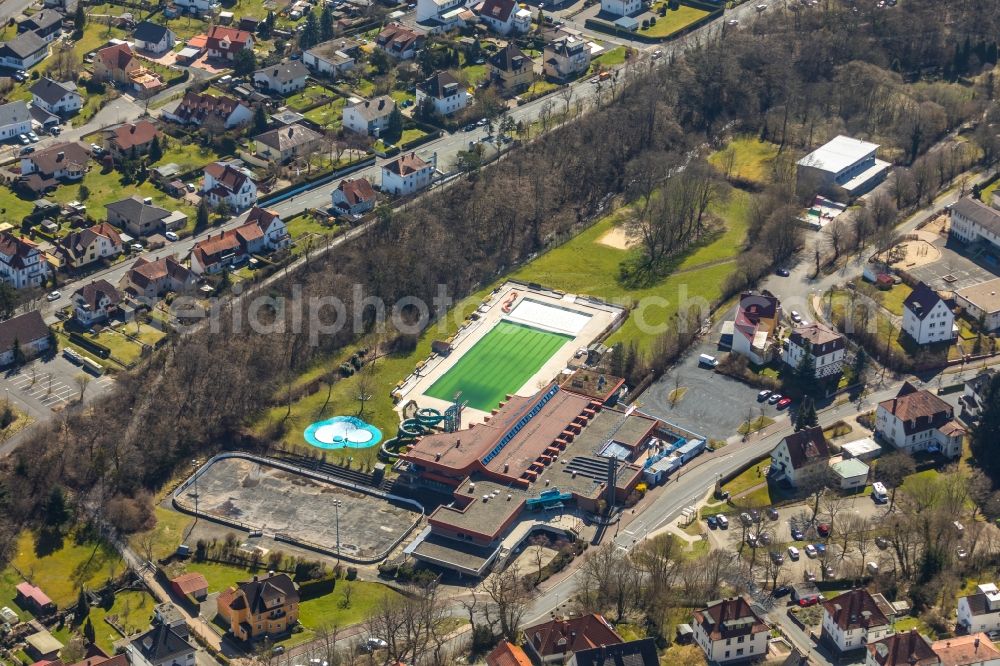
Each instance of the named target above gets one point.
<point>620,239</point>
<point>913,253</point>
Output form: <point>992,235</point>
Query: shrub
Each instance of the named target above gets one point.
<point>645,24</point>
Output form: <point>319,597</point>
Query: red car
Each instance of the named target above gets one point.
<point>823,529</point>
<point>783,403</point>
<point>808,601</point>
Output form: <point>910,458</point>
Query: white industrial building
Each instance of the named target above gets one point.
<point>844,165</point>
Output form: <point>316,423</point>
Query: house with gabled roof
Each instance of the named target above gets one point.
<point>826,347</point>
<point>85,246</point>
<point>980,611</point>
<point>224,42</point>
<point>333,57</point>
<point>640,652</point>
<point>153,37</point>
<point>729,630</point>
<point>15,119</point>
<point>22,263</point>
<point>406,174</point>
<point>147,281</point>
<point>226,183</point>
<point>972,650</point>
<point>209,111</point>
<point>260,607</point>
<point>507,654</point>
<point>139,217</point>
<point>801,456</point>
<point>282,144</point>
<point>755,327</point>
<point>116,63</point>
<point>555,641</point>
<point>47,24</point>
<point>263,231</point>
<point>24,51</point>
<point>505,17</point>
<point>926,316</point>
<point>917,420</point>
<point>370,116</point>
<point>399,41</point>
<point>95,302</point>
<point>853,619</point>
<point>131,139</point>
<point>908,648</point>
<point>59,98</point>
<point>45,169</point>
<point>283,78</point>
<point>354,196</point>
<point>511,70</point>
<point>443,92</point>
<point>160,646</point>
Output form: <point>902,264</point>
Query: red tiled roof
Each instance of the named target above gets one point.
<point>728,618</point>
<point>965,650</point>
<point>568,636</point>
<point>195,108</point>
<point>911,404</point>
<point>115,57</point>
<point>855,609</point>
<point>905,649</point>
<point>134,134</point>
<point>225,175</point>
<point>190,583</point>
<point>507,654</point>
<point>238,39</point>
<point>407,164</point>
<point>29,591</point>
<point>356,190</point>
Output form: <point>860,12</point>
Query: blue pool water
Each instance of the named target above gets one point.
<point>342,432</point>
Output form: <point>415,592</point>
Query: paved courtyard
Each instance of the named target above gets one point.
<point>953,270</point>
<point>280,502</point>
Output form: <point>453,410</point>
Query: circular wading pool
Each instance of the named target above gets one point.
<point>342,432</point>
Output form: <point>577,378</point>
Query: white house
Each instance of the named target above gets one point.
<point>505,17</point>
<point>198,6</point>
<point>370,116</point>
<point>621,7</point>
<point>225,183</point>
<point>852,620</point>
<point>440,15</point>
<point>153,37</point>
<point>926,317</point>
<point>755,326</point>
<point>908,648</point>
<point>980,611</point>
<point>919,421</point>
<point>801,456</point>
<point>974,393</point>
<point>222,112</point>
<point>14,119</point>
<point>729,630</point>
<point>94,302</point>
<point>28,331</point>
<point>406,175</point>
<point>973,221</point>
<point>24,51</point>
<point>332,58</point>
<point>283,78</point>
<point>826,347</point>
<point>59,98</point>
<point>22,264</point>
<point>981,302</point>
<point>160,646</point>
<point>444,92</point>
<point>263,231</point>
<point>565,58</point>
<point>843,165</point>
<point>354,196</point>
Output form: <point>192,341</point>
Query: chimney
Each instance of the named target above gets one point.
<point>131,128</point>
<point>60,155</point>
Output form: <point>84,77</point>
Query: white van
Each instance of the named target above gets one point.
<point>879,493</point>
<point>793,552</point>
<point>708,360</point>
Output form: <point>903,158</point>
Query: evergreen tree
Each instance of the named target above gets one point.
<point>56,511</point>
<point>806,372</point>
<point>394,130</point>
<point>155,150</point>
<point>82,607</point>
<point>18,352</point>
<point>266,26</point>
<point>310,34</point>
<point>259,119</point>
<point>326,24</point>
<point>806,416</point>
<point>860,365</point>
<point>79,19</point>
<point>8,299</point>
<point>245,63</point>
<point>88,631</point>
<point>201,220</point>
<point>986,433</point>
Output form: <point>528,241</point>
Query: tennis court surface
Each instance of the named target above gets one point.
<point>500,363</point>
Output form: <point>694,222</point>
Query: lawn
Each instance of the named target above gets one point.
<point>608,59</point>
<point>746,480</point>
<point>499,364</point>
<point>96,35</point>
<point>986,194</point>
<point>401,96</point>
<point>675,20</point>
<point>131,609</point>
<point>329,610</point>
<point>220,576</point>
<point>185,27</point>
<point>59,567</point>
<point>892,300</point>
<point>308,96</point>
<point>751,159</point>
<point>306,224</point>
<point>122,349</point>
<point>187,156</point>
<point>364,88</point>
<point>170,530</point>
<point>329,115</point>
<point>756,425</point>
<point>476,73</point>
<point>411,134</point>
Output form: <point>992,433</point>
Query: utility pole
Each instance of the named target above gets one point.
<point>336,508</point>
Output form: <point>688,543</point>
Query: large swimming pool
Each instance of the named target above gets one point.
<point>342,432</point>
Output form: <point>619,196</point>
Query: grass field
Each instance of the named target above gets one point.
<point>892,300</point>
<point>751,158</point>
<point>675,20</point>
<point>500,363</point>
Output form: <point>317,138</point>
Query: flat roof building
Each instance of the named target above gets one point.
<point>842,166</point>
<point>982,302</point>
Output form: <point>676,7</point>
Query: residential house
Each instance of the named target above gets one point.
<point>973,394</point>
<point>216,253</point>
<point>139,217</point>
<point>565,58</point>
<point>263,232</point>
<point>61,162</point>
<point>926,316</point>
<point>729,630</point>
<point>160,646</point>
<point>905,649</point>
<point>843,166</point>
<point>370,116</point>
<point>228,184</point>
<point>131,139</point>
<point>198,7</point>
<point>95,302</point>
<point>406,175</point>
<point>801,457</point>
<point>981,303</point>
<point>22,264</point>
<point>505,17</point>
<point>852,620</point>
<point>190,584</point>
<point>826,347</point>
<point>640,652</point>
<point>332,58</point>
<point>226,42</point>
<point>511,70</point>
<point>116,63</point>
<point>147,281</point>
<point>31,328</point>
<point>354,196</point>
<point>66,6</point>
<point>919,421</point>
<point>84,247</point>
<point>443,15</point>
<point>288,142</point>
<point>973,650</point>
<point>980,611</point>
<point>261,607</point>
<point>15,119</point>
<point>756,325</point>
<point>222,112</point>
<point>47,24</point>
<point>972,221</point>
<point>284,78</point>
<point>399,41</point>
<point>153,37</point>
<point>507,654</point>
<point>555,641</point>
<point>444,93</point>
<point>619,8</point>
<point>24,51</point>
<point>58,98</point>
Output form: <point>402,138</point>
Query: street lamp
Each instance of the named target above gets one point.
<point>194,465</point>
<point>336,508</point>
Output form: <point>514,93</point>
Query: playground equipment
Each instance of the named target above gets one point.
<point>423,421</point>
<point>342,432</point>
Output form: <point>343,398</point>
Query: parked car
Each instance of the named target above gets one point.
<point>796,317</point>
<point>797,534</point>
<point>471,127</point>
<point>784,589</point>
<point>808,601</point>
<point>782,272</point>
<point>171,236</point>
<point>751,540</point>
<point>809,576</point>
<point>723,522</point>
<point>793,553</point>
<point>756,515</point>
<point>136,247</point>
<point>190,187</point>
<point>810,550</point>
<point>881,542</point>
<point>373,643</point>
<point>278,649</point>
<point>772,513</point>
<point>775,397</point>
<point>713,522</point>
<point>23,138</point>
<point>763,395</point>
<point>783,403</point>
<point>27,150</point>
<point>746,518</point>
<point>32,137</point>
<point>872,568</point>
<point>820,548</point>
<point>778,558</point>
<point>823,529</point>
<point>53,296</point>
<point>765,538</point>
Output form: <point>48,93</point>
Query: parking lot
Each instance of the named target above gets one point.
<point>47,385</point>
